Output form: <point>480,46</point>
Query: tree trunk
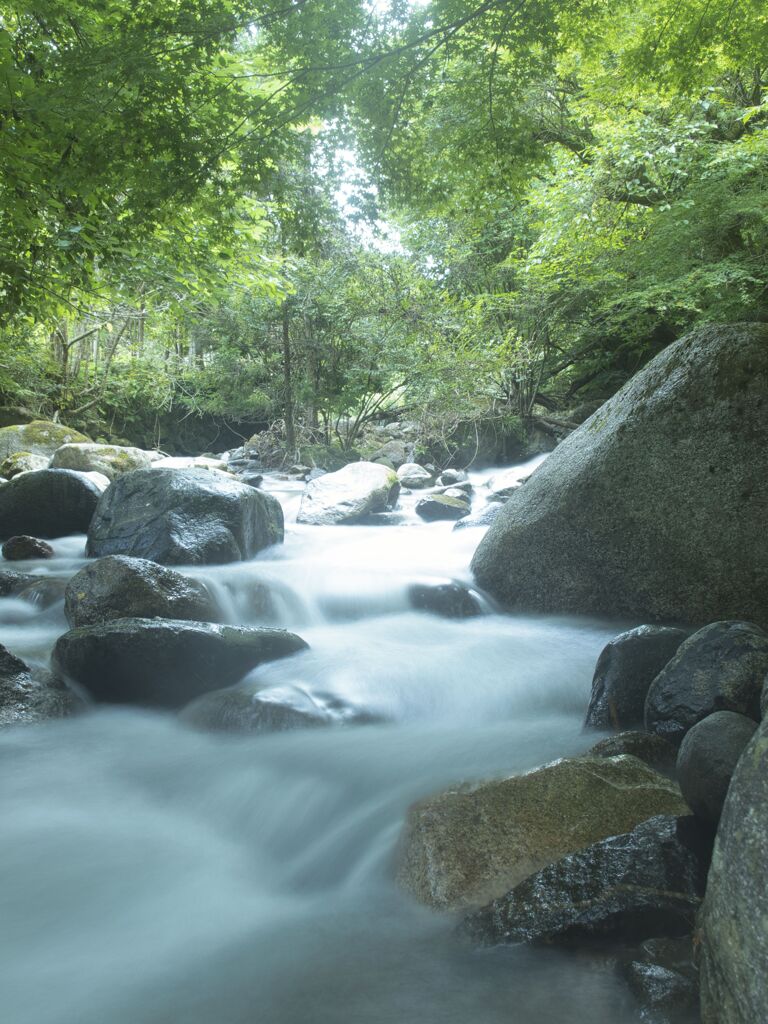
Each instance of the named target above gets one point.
<point>290,429</point>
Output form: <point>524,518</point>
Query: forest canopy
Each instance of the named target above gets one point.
<point>301,215</point>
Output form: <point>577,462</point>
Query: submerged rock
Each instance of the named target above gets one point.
<point>251,708</point>
<point>483,517</point>
<point>719,668</point>
<point>25,699</point>
<point>22,547</point>
<point>184,516</point>
<point>707,760</point>
<point>624,672</point>
<point>664,981</point>
<point>165,662</point>
<point>110,460</point>
<point>451,600</point>
<point>348,495</point>
<point>468,845</point>
<point>119,587</point>
<point>49,503</point>
<point>645,883</point>
<point>734,919</point>
<point>39,437</point>
<point>655,506</point>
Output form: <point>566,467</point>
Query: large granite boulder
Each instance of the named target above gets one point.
<point>720,668</point>
<point>468,845</point>
<point>734,918</point>
<point>646,883</point>
<point>164,662</point>
<point>624,672</point>
<point>707,760</point>
<point>37,438</point>
<point>252,708</point>
<point>655,506</point>
<point>48,503</point>
<point>184,516</point>
<point>349,494</point>
<point>26,697</point>
<point>119,587</point>
<point>110,459</point>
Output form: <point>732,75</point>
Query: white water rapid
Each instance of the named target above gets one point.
<point>151,874</point>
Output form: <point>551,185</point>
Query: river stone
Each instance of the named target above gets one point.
<point>119,587</point>
<point>651,749</point>
<point>451,600</point>
<point>451,477</point>
<point>348,494</point>
<point>111,460</point>
<point>22,547</point>
<point>251,708</point>
<point>43,591</point>
<point>443,506</point>
<point>483,517</point>
<point>26,699</point>
<point>38,438</point>
<point>719,668</point>
<point>22,462</point>
<point>190,462</point>
<point>393,452</point>
<point>664,981</point>
<point>184,516</point>
<point>11,582</point>
<point>625,670</point>
<point>707,759</point>
<point>414,476</point>
<point>655,507</point>
<point>471,844</point>
<point>643,884</point>
<point>49,503</point>
<point>164,662</point>
<point>734,918</point>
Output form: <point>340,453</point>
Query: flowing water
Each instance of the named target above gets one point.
<point>150,874</point>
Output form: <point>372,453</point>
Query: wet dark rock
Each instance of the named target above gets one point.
<point>653,508</point>
<point>450,477</point>
<point>470,844</point>
<point>641,884</point>
<point>463,487</point>
<point>22,547</point>
<point>12,582</point>
<point>252,479</point>
<point>707,760</point>
<point>664,981</point>
<point>443,506</point>
<point>451,600</point>
<point>165,662</point>
<point>719,668</point>
<point>733,935</point>
<point>624,672</point>
<point>43,591</point>
<point>184,517</point>
<point>651,749</point>
<point>483,517</point>
<point>27,696</point>
<point>120,587</point>
<point>251,708</point>
<point>764,699</point>
<point>48,503</point>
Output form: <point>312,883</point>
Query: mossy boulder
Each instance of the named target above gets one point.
<point>471,844</point>
<point>654,508</point>
<point>118,587</point>
<point>22,462</point>
<point>109,459</point>
<point>164,662</point>
<point>38,437</point>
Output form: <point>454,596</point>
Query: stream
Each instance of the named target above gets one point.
<point>151,874</point>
